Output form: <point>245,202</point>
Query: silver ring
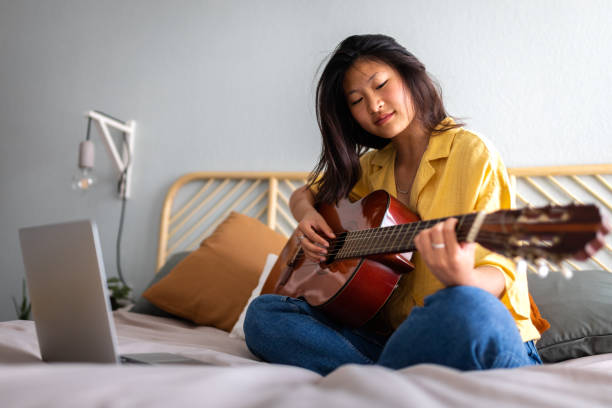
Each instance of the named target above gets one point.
<point>300,237</point>
<point>438,246</point>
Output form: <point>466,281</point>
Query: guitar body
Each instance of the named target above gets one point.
<point>350,290</point>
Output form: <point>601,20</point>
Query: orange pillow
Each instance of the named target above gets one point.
<point>213,283</point>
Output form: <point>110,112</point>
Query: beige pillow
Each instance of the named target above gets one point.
<point>211,285</point>
<point>238,329</point>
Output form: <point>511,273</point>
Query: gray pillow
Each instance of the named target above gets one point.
<point>579,311</point>
<point>142,305</point>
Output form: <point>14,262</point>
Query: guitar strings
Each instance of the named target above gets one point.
<point>483,236</point>
<point>374,250</point>
<point>400,236</point>
<point>394,230</point>
<point>397,236</point>
<point>398,233</point>
<point>398,230</point>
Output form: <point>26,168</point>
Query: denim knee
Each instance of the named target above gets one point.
<point>257,318</point>
<point>482,324</point>
<point>264,303</point>
<point>462,327</point>
<point>284,330</point>
<point>477,312</point>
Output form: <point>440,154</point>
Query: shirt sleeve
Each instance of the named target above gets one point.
<point>495,193</point>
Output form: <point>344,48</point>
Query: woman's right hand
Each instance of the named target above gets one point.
<point>311,232</point>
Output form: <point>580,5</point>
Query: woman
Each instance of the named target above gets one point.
<point>462,306</point>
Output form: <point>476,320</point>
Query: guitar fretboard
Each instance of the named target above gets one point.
<point>392,239</point>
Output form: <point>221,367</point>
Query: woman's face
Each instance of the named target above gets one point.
<point>378,99</point>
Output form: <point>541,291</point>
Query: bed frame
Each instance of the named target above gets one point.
<point>197,202</point>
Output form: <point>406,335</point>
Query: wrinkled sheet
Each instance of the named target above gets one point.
<point>235,378</point>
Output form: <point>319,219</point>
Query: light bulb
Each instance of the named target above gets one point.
<point>85,179</point>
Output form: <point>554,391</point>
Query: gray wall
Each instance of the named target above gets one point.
<point>228,85</point>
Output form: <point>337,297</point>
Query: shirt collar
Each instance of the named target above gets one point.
<point>438,148</point>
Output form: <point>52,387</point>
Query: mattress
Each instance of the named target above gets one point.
<point>232,376</point>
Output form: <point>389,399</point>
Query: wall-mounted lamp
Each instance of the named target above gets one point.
<point>85,179</point>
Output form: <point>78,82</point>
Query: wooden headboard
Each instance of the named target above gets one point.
<point>197,202</point>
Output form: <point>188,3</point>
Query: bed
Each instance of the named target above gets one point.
<point>207,213</point>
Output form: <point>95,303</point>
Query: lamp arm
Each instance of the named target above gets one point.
<point>124,162</point>
<point>125,127</point>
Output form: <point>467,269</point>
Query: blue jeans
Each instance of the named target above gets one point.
<point>463,327</point>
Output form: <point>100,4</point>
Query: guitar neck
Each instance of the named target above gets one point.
<point>392,239</point>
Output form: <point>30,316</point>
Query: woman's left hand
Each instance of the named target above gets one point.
<point>450,261</point>
<point>598,242</point>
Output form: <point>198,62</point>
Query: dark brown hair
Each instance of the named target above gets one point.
<point>343,139</point>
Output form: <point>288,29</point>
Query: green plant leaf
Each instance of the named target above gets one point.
<point>23,310</point>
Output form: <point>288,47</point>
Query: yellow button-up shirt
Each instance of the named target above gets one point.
<point>458,174</point>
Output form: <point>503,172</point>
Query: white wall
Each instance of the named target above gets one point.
<point>228,85</point>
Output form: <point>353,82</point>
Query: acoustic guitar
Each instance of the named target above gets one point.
<point>374,245</point>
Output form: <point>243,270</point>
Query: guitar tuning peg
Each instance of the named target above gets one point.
<point>542,268</point>
<point>521,265</point>
<point>566,272</point>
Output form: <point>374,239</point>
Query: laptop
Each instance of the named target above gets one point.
<point>70,300</point>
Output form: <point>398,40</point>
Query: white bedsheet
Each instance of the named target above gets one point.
<point>237,379</point>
